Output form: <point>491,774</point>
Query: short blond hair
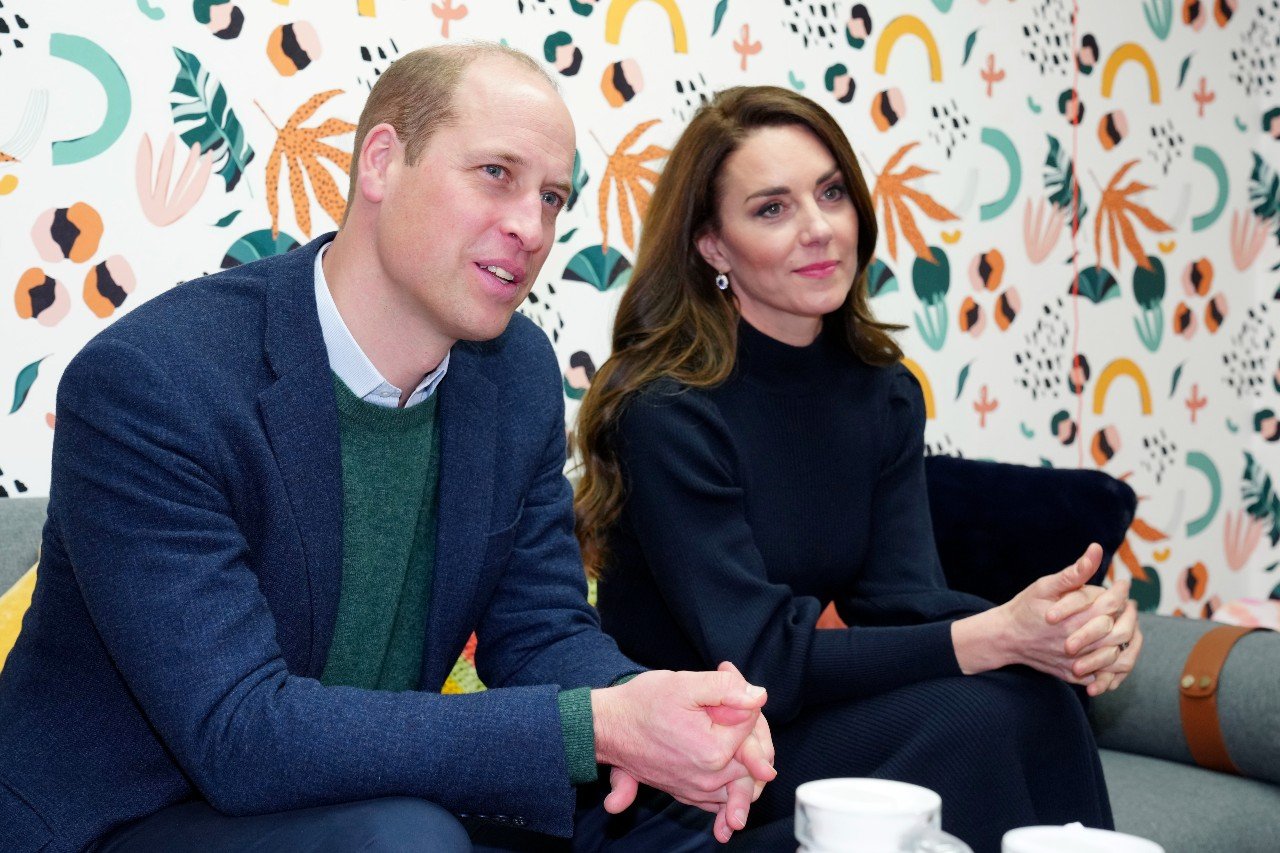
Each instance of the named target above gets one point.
<point>415,95</point>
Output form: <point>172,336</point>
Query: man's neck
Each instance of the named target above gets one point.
<point>402,344</point>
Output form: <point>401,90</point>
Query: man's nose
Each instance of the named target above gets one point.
<point>523,220</point>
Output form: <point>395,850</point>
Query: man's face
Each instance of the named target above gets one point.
<point>462,234</point>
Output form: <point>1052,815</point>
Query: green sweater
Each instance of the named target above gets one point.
<point>390,471</point>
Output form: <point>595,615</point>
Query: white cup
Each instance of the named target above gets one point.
<point>1074,839</point>
<point>869,815</point>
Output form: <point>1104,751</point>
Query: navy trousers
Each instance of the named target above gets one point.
<point>409,825</point>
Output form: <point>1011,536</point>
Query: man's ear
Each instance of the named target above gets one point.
<point>380,154</point>
<point>712,252</point>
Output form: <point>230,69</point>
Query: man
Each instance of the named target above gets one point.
<point>254,575</point>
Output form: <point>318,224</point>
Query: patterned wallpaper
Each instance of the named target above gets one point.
<point>148,141</point>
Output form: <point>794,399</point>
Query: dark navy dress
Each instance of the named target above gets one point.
<point>797,482</point>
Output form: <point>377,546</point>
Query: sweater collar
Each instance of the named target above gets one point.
<point>783,367</point>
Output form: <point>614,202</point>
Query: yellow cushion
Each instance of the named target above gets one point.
<point>13,603</point>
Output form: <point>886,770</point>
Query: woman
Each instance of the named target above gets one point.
<point>753,450</point>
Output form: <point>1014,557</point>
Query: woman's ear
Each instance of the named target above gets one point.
<point>712,252</point>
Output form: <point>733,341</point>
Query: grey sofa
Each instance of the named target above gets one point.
<point>1156,791</point>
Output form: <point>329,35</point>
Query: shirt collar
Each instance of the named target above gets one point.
<point>349,362</point>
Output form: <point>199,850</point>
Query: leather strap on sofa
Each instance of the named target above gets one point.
<point>1199,697</point>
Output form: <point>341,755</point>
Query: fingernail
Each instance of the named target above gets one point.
<point>741,817</point>
<point>754,691</point>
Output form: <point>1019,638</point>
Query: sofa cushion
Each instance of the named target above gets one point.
<point>999,526</point>
<point>21,520</point>
<point>13,604</point>
<point>1188,809</point>
<point>1144,715</point>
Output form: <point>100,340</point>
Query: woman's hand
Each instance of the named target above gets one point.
<point>1057,625</point>
<point>1077,609</point>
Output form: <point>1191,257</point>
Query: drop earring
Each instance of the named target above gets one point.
<point>722,281</point>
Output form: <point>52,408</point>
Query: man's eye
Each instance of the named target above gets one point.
<point>495,171</point>
<point>552,200</point>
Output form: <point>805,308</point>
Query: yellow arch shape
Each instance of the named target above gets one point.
<point>918,372</point>
<point>903,26</point>
<point>619,9</point>
<point>1130,52</point>
<point>1121,367</point>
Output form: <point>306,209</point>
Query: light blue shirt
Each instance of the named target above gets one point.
<point>348,361</point>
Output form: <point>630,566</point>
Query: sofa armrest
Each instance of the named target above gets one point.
<point>1143,716</point>
<point>999,526</point>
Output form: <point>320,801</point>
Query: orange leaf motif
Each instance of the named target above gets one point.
<point>1115,209</point>
<point>891,192</point>
<point>5,158</point>
<point>627,172</point>
<point>302,148</point>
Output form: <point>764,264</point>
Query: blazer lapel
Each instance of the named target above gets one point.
<point>468,439</point>
<point>300,414</point>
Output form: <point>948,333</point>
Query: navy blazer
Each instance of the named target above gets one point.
<point>192,562</point>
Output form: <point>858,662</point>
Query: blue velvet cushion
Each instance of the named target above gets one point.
<point>1000,526</point>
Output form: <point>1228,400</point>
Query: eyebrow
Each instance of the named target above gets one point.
<point>507,158</point>
<point>768,191</point>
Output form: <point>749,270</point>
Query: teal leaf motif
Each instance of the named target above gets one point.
<point>577,182</point>
<point>22,385</point>
<point>1098,285</point>
<point>1159,15</point>
<point>227,220</point>
<point>1262,502</point>
<point>968,46</point>
<point>567,236</point>
<point>880,279</point>
<point>1264,190</point>
<point>603,270</point>
<point>964,377</point>
<point>203,116</point>
<point>257,245</point>
<point>1177,374</point>
<point>1059,178</point>
<point>1182,71</point>
<point>721,8</point>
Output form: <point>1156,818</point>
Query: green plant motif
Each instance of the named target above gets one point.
<point>603,269</point>
<point>880,279</point>
<point>22,385</point>
<point>1264,191</point>
<point>578,181</point>
<point>257,245</point>
<point>1159,15</point>
<point>1262,502</point>
<point>1060,178</point>
<point>931,281</point>
<point>1097,285</point>
<point>203,115</point>
<point>1148,290</point>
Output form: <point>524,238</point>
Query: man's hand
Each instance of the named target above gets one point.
<point>656,730</point>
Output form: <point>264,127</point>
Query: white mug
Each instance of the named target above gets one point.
<point>871,815</point>
<point>1074,838</point>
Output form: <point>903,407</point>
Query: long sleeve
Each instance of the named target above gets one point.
<point>686,506</point>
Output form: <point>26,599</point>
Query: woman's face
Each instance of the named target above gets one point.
<point>788,235</point>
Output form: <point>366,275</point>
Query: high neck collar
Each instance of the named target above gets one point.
<point>782,367</point>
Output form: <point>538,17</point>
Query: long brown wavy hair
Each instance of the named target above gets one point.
<point>673,321</point>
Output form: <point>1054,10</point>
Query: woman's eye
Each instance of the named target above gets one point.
<point>495,171</point>
<point>835,192</point>
<point>771,209</point>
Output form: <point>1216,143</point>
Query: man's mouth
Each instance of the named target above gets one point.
<point>501,273</point>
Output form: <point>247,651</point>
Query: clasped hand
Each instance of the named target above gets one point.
<point>699,736</point>
<point>1081,633</point>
